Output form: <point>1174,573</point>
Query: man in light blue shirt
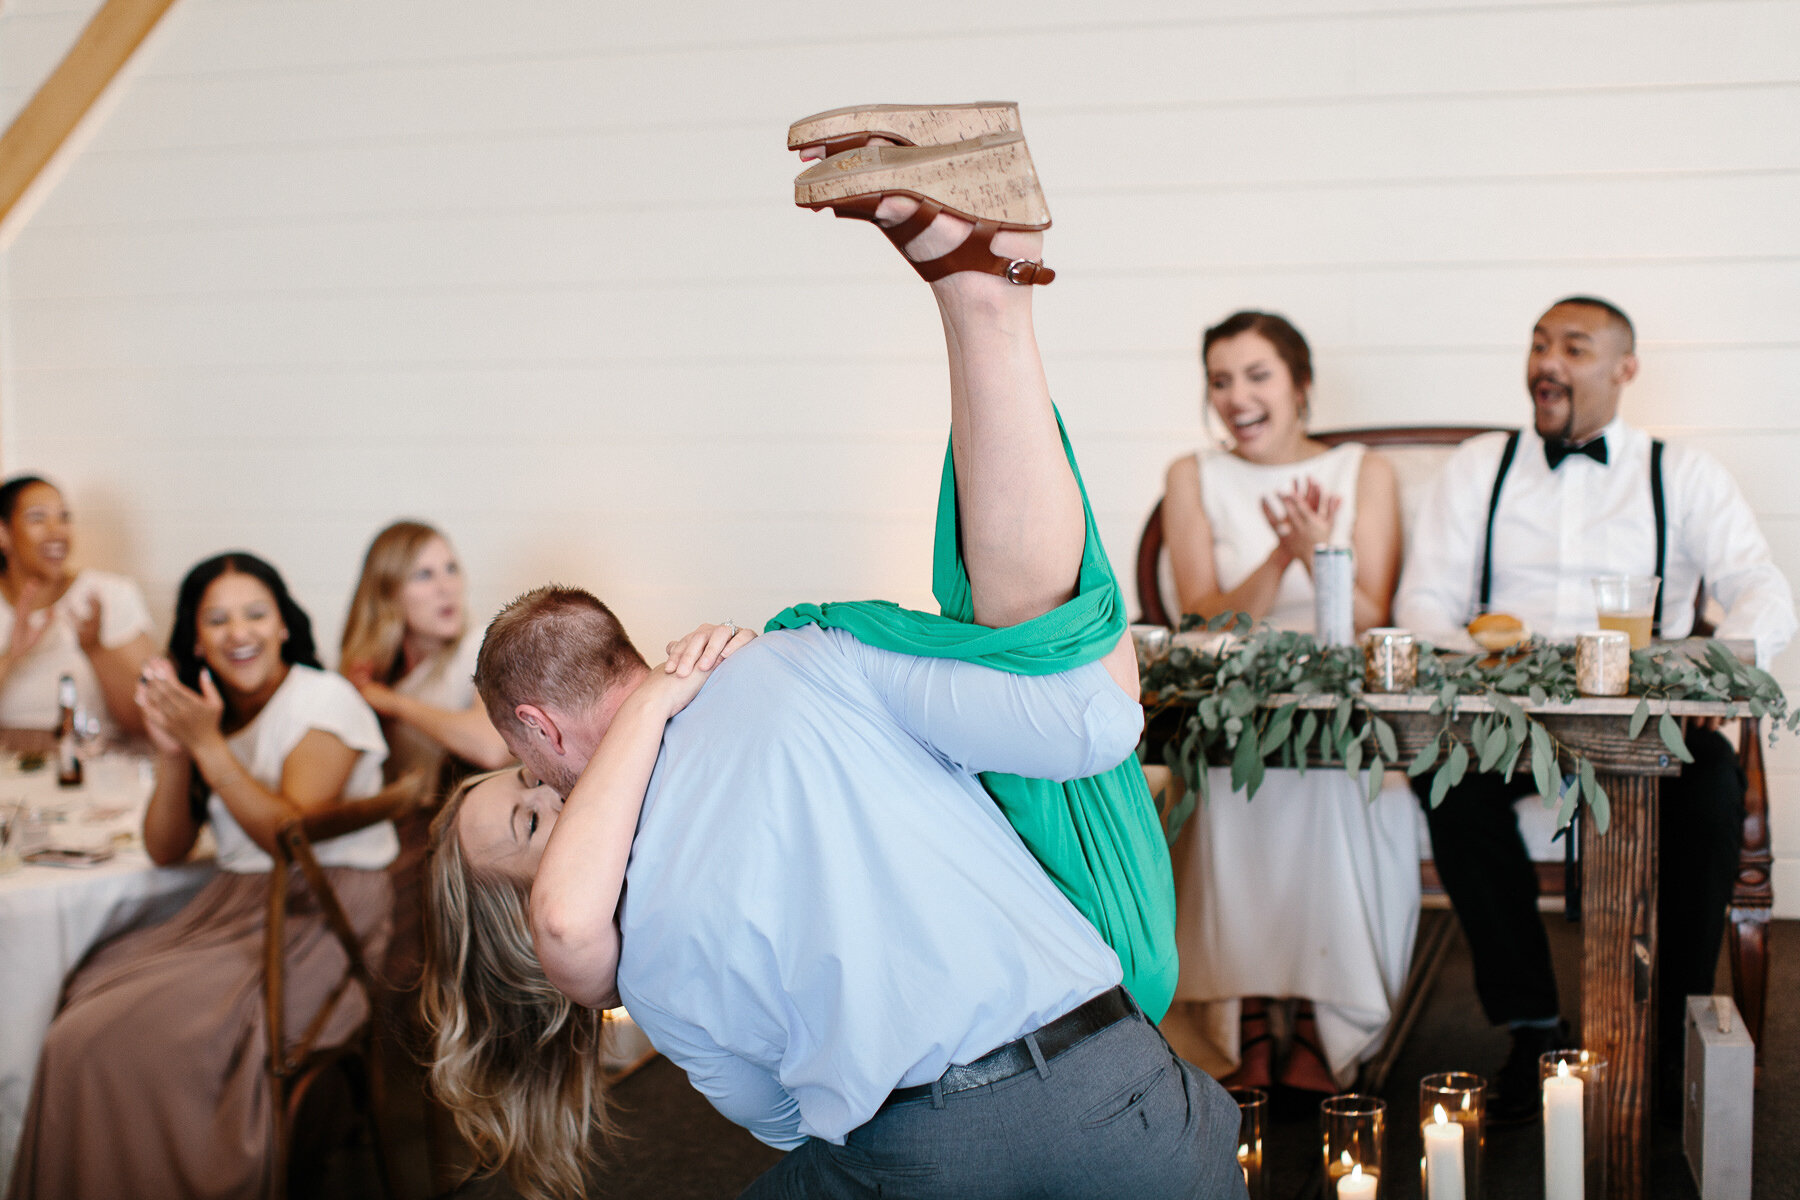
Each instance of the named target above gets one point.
<point>825,920</point>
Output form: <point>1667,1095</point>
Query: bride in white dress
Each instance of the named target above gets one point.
<point>1308,893</point>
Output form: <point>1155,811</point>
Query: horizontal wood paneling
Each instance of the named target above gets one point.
<point>535,276</point>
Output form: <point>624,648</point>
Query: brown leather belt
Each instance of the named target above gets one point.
<point>1014,1058</point>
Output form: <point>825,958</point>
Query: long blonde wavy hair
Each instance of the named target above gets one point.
<point>515,1060</point>
<point>375,626</point>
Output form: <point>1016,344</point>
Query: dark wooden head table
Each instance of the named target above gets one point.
<point>1619,882</point>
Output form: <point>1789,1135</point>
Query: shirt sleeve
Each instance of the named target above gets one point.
<point>123,613</point>
<point>1436,597</point>
<point>1723,537</point>
<point>744,1093</point>
<point>1067,725</point>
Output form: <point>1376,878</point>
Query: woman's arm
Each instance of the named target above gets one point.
<point>464,732</point>
<point>575,897</point>
<point>170,829</point>
<point>313,776</point>
<point>1188,535</point>
<point>117,668</point>
<point>1376,539</point>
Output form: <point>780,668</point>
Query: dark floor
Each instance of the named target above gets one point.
<point>675,1147</point>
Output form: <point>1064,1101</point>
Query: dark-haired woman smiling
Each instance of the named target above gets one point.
<point>90,625</point>
<point>151,1081</point>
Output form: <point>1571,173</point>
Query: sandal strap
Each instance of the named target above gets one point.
<point>975,255</point>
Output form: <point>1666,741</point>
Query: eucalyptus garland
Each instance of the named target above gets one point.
<point>1230,718</point>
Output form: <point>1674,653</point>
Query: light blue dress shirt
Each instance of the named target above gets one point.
<point>822,902</point>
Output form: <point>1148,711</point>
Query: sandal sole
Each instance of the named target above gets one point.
<point>990,178</point>
<point>908,124</point>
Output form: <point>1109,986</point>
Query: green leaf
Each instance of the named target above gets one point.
<point>1543,762</point>
<point>1498,739</point>
<point>1639,715</point>
<point>1353,758</point>
<point>1277,731</point>
<point>1340,720</point>
<point>1565,808</point>
<point>1178,816</point>
<point>1440,785</point>
<point>1538,696</point>
<point>1247,764</point>
<point>1384,737</point>
<point>1377,770</point>
<point>1458,763</point>
<point>1670,729</point>
<point>1599,807</point>
<point>1427,755</point>
<point>1309,724</point>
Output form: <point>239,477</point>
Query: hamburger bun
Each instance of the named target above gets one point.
<point>1496,631</point>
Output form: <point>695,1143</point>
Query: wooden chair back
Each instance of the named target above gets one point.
<point>293,1068</point>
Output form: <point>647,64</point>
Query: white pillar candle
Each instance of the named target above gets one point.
<point>1443,1157</point>
<point>1356,1185</point>
<point>1565,1148</point>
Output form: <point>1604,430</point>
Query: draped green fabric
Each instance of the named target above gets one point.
<point>1098,838</point>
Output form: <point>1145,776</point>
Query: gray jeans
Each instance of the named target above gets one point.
<point>1116,1115</point>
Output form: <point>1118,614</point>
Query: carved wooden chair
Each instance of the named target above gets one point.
<point>1417,451</point>
<point>293,1069</point>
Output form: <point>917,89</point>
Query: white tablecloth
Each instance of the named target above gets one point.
<point>51,916</point>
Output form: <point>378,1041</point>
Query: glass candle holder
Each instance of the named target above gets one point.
<point>1390,661</point>
<point>1354,1131</point>
<point>1152,643</point>
<point>1452,1112</point>
<point>1602,663</point>
<point>1253,1116</point>
<point>1574,1089</point>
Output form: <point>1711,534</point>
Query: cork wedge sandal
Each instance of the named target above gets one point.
<point>842,129</point>
<point>988,180</point>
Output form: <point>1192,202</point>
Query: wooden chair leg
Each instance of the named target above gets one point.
<point>1748,930</point>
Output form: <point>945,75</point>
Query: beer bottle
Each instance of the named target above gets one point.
<point>68,757</point>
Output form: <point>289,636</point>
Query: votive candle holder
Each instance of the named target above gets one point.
<point>1353,1133</point>
<point>1253,1116</point>
<point>1574,1099</point>
<point>1452,1119</point>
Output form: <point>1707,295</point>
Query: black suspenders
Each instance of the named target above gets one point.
<point>1656,505</point>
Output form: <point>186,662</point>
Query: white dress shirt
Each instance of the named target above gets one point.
<point>1555,530</point>
<point>823,904</point>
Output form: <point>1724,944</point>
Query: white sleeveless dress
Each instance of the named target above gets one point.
<point>1309,890</point>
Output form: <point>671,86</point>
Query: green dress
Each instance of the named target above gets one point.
<point>1098,838</point>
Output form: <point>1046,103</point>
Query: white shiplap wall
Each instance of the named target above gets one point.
<point>532,273</point>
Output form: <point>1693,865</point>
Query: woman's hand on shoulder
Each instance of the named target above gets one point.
<point>691,661</point>
<point>378,696</point>
<point>87,627</point>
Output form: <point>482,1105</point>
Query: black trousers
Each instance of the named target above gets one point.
<point>1493,886</point>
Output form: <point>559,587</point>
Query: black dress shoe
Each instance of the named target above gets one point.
<point>1514,1099</point>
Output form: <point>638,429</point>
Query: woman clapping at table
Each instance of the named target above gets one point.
<point>90,625</point>
<point>151,1081</point>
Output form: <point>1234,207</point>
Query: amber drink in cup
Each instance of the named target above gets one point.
<point>1627,603</point>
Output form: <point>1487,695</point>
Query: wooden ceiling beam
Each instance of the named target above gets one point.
<point>64,98</point>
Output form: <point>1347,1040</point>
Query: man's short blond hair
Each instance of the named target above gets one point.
<point>554,646</point>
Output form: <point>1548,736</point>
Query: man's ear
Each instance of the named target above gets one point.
<point>540,724</point>
<point>1627,369</point>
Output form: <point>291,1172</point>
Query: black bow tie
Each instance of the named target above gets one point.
<point>1555,452</point>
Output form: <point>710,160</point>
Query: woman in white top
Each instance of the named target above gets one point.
<point>1309,892</point>
<point>87,624</point>
<point>151,1081</point>
<point>408,649</point>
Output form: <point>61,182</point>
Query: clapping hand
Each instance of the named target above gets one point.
<point>178,718</point>
<point>1302,518</point>
<point>87,627</point>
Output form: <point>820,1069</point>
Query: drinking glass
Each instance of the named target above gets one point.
<point>1627,603</point>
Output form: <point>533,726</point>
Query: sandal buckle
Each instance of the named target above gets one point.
<point>1022,271</point>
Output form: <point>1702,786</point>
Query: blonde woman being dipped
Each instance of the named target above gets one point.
<point>407,651</point>
<point>1307,893</point>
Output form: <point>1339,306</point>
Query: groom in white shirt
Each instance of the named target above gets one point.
<point>1519,523</point>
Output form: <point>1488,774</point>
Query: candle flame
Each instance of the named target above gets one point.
<point>1243,1151</point>
<point>1346,1160</point>
<point>1467,1096</point>
<point>1562,1069</point>
<point>1356,1171</point>
<point>1437,1114</point>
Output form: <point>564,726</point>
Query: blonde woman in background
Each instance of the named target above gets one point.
<point>407,650</point>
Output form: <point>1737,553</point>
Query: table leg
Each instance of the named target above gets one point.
<point>1618,970</point>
